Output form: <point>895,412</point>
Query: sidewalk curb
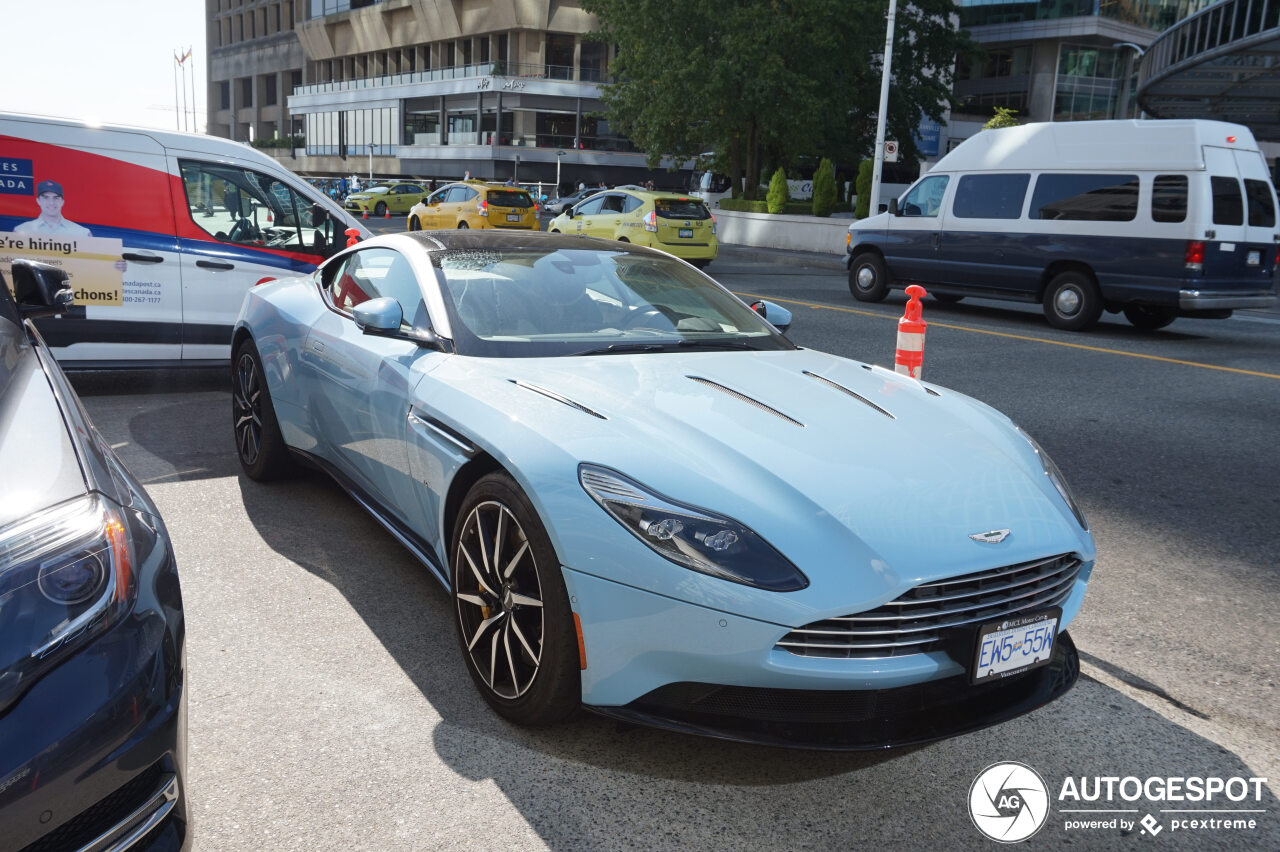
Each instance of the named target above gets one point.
<point>809,259</point>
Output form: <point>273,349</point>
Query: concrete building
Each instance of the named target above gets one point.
<point>424,88</point>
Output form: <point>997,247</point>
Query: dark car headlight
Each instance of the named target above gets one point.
<point>695,538</point>
<point>66,575</point>
<point>1055,476</point>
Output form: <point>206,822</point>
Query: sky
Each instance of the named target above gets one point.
<point>108,61</point>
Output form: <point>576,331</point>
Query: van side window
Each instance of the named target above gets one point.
<point>1228,208</point>
<point>990,196</point>
<point>244,207</point>
<point>1085,197</point>
<point>1262,209</point>
<point>1169,198</point>
<point>925,198</point>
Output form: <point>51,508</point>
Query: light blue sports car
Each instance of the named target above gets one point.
<point>643,499</point>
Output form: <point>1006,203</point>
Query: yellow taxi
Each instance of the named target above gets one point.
<point>674,223</point>
<point>475,204</point>
<point>384,198</point>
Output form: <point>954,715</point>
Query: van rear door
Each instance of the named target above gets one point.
<point>1242,212</point>
<point>238,226</point>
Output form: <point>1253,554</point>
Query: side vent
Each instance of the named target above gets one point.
<point>738,395</point>
<point>859,397</point>
<point>563,400</point>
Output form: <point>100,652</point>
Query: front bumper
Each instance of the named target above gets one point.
<point>658,660</point>
<point>1202,300</point>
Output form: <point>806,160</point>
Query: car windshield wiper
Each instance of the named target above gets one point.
<point>667,346</point>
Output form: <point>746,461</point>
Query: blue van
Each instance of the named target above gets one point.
<point>1158,219</point>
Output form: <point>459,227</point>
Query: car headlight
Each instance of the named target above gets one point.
<point>66,575</point>
<point>695,538</point>
<point>1055,476</point>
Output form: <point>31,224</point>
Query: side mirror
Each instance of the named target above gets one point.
<point>776,315</point>
<point>893,207</point>
<point>41,290</point>
<point>379,316</point>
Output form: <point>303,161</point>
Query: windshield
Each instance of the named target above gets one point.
<point>524,303</point>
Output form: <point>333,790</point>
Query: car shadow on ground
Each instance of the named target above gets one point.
<point>590,783</point>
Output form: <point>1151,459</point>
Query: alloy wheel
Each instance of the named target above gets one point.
<point>499,600</point>
<point>247,398</point>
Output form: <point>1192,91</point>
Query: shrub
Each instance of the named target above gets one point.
<point>824,189</point>
<point>777,197</point>
<point>1004,117</point>
<point>864,189</point>
<point>742,205</point>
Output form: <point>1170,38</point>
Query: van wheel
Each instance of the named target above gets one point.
<point>259,444</point>
<point>868,279</point>
<point>1149,317</point>
<point>1072,301</point>
<point>414,224</point>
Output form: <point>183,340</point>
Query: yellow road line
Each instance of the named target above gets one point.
<point>1029,339</point>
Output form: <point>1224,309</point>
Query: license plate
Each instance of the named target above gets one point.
<point>513,217</point>
<point>1015,645</point>
<point>686,233</point>
<point>1255,258</point>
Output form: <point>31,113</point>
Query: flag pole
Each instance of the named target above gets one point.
<point>177,116</point>
<point>195,123</point>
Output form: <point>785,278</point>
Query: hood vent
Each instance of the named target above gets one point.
<point>738,395</point>
<point>563,400</point>
<point>859,397</point>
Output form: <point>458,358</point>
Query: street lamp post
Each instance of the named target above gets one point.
<point>885,72</point>
<point>370,164</point>
<point>559,154</point>
<point>1129,70</point>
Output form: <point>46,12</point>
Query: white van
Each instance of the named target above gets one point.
<point>160,233</point>
<point>1159,219</point>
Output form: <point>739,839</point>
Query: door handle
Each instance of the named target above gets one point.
<point>214,264</point>
<point>142,258</point>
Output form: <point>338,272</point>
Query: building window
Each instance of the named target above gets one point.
<point>224,95</point>
<point>484,50</point>
<point>1088,83</point>
<point>592,61</point>
<point>295,81</point>
<point>246,91</point>
<point>269,90</point>
<point>559,56</point>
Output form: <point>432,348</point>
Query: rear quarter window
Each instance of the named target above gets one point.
<point>509,198</point>
<point>681,208</point>
<point>1085,197</point>
<point>1169,198</point>
<point>990,196</point>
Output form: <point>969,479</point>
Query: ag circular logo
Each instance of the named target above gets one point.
<point>1008,802</point>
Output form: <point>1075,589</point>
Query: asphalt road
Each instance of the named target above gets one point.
<point>330,707</point>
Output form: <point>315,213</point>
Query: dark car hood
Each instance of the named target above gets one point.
<point>38,464</point>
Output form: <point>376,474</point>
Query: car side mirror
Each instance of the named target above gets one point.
<point>776,315</point>
<point>381,317</point>
<point>41,290</point>
<point>893,207</point>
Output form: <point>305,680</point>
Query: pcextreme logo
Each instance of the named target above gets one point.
<point>1009,802</point>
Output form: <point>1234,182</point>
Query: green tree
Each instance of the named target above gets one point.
<point>863,187</point>
<point>778,194</point>
<point>824,189</point>
<point>1004,117</point>
<point>768,81</point>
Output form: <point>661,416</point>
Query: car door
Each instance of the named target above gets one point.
<point>237,228</point>
<point>432,215</point>
<point>362,383</point>
<point>584,215</point>
<point>913,236</point>
<point>607,222</point>
<point>980,246</point>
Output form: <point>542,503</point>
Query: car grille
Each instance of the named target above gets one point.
<point>103,816</point>
<point>914,623</point>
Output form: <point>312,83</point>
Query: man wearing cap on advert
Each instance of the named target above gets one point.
<point>50,221</point>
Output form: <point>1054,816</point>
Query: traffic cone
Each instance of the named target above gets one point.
<point>909,359</point>
<point>386,214</point>
<point>366,213</point>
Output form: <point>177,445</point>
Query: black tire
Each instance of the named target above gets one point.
<point>462,226</point>
<point>1072,301</point>
<point>259,444</point>
<point>554,231</point>
<point>947,298</point>
<point>380,210</point>
<point>1149,317</point>
<point>869,280</point>
<point>522,657</point>
<point>414,224</point>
